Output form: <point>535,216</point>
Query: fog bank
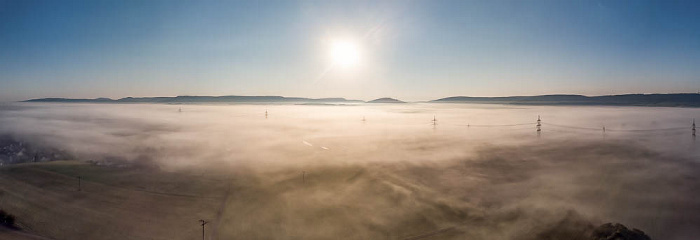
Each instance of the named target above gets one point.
<point>481,172</point>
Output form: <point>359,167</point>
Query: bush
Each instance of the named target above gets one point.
<point>618,231</point>
<point>7,219</point>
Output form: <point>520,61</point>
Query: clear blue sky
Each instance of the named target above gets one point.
<point>413,50</point>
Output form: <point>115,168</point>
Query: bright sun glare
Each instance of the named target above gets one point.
<point>345,53</point>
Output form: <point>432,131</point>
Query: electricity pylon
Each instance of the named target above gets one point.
<point>201,221</point>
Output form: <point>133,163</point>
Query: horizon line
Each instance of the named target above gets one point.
<point>349,99</point>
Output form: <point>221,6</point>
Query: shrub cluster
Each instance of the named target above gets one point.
<point>7,219</point>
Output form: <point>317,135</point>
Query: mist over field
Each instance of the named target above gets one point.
<point>321,172</point>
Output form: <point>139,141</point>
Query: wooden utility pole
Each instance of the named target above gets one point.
<point>201,221</point>
<point>539,124</point>
<point>693,127</point>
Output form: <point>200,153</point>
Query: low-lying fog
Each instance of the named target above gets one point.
<point>482,172</point>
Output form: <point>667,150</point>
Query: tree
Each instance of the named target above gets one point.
<point>7,219</point>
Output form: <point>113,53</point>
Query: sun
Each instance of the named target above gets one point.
<point>345,53</point>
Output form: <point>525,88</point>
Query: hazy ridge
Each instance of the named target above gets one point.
<point>665,100</point>
<point>660,100</point>
<point>195,99</point>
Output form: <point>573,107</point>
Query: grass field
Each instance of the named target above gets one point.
<point>136,203</point>
<point>144,203</point>
<point>114,203</point>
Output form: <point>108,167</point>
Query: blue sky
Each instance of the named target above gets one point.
<point>413,50</point>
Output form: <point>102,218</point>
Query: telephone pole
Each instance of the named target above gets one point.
<point>201,221</point>
<point>434,121</point>
<point>265,114</point>
<point>539,124</point>
<point>693,127</point>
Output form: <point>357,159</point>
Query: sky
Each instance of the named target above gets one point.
<point>411,50</point>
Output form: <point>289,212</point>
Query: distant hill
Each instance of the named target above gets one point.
<point>660,100</point>
<point>200,99</point>
<point>73,100</point>
<point>386,100</point>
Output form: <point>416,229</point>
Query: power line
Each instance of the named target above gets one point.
<point>497,125</point>
<point>573,127</point>
<point>604,129</point>
<point>539,125</point>
<point>647,130</point>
